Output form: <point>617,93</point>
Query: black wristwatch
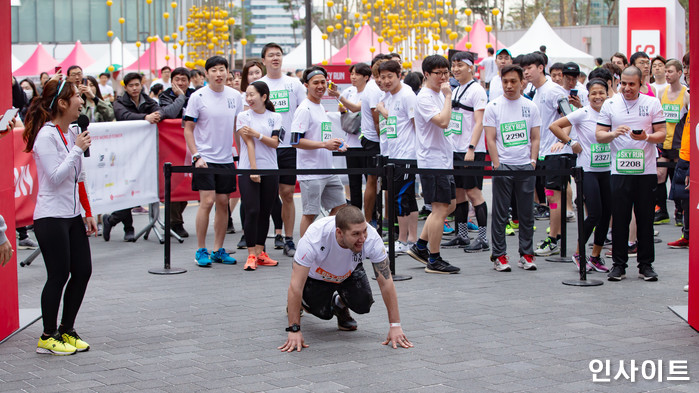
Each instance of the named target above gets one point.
<point>195,157</point>
<point>294,328</point>
<point>471,147</point>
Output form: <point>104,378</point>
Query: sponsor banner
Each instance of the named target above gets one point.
<point>173,149</point>
<point>25,180</point>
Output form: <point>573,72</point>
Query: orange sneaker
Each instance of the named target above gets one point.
<point>251,263</point>
<point>264,260</point>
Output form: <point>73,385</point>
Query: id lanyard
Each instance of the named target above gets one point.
<point>63,138</point>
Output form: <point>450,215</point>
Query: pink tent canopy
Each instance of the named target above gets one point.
<point>359,47</point>
<point>40,61</point>
<point>78,56</point>
<point>479,37</point>
<point>154,58</point>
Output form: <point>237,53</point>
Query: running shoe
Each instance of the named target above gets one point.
<point>501,263</point>
<point>202,258</point>
<point>242,244</point>
<point>655,233</point>
<point>180,231</point>
<point>448,230</point>
<point>250,263</point>
<point>472,226</point>
<point>221,256</point>
<point>27,244</point>
<point>633,249</point>
<point>423,213</point>
<point>548,247</point>
<point>686,288</point>
<point>477,245</point>
<point>289,248</point>
<point>73,339</point>
<point>647,273</point>
<point>681,243</point>
<point>440,266</point>
<point>526,262</point>
<point>679,218</point>
<point>597,263</point>
<point>541,212</point>
<point>344,318</point>
<point>508,230</point>
<point>422,256</point>
<point>129,236</point>
<point>617,273</point>
<point>55,345</point>
<point>514,224</point>
<point>570,216</point>
<point>106,227</point>
<point>264,260</point>
<point>661,217</point>
<point>399,247</point>
<point>99,229</point>
<point>456,242</point>
<point>576,262</point>
<point>278,242</point>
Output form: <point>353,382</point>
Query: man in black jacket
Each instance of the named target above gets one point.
<point>134,104</point>
<point>172,103</point>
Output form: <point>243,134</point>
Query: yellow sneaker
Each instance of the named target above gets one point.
<point>73,339</point>
<point>54,345</point>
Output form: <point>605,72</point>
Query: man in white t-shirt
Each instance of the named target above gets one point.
<point>577,93</point>
<point>328,277</point>
<point>286,93</point>
<point>488,68</point>
<point>434,150</point>
<point>397,110</point>
<point>512,125</point>
<point>632,123</point>
<point>311,133</point>
<point>106,90</point>
<point>164,78</point>
<point>209,124</point>
<point>502,58</point>
<point>466,133</point>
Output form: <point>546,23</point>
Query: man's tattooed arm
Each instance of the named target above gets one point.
<point>382,268</point>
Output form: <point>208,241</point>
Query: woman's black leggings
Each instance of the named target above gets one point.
<point>276,214</point>
<point>258,200</point>
<point>597,193</point>
<point>66,251</point>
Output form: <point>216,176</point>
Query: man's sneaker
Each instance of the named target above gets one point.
<point>655,233</point>
<point>508,230</point>
<point>576,261</point>
<point>548,247</point>
<point>264,260</point>
<point>681,243</point>
<point>541,212</point>
<point>399,247</point>
<point>661,217</point>
<point>440,266</point>
<point>180,231</point>
<point>221,256</point>
<point>647,273</point>
<point>617,273</point>
<point>55,345</point>
<point>679,218</point>
<point>230,228</point>
<point>250,263</point>
<point>129,236</point>
<point>106,227</point>
<point>423,213</point>
<point>289,248</point>
<point>344,319</point>
<point>27,244</point>
<point>456,242</point>
<point>73,339</point>
<point>501,263</point>
<point>526,262</point>
<point>422,256</point>
<point>514,224</point>
<point>202,257</point>
<point>448,230</point>
<point>570,216</point>
<point>278,242</point>
<point>99,229</point>
<point>242,244</point>
<point>597,263</point>
<point>477,245</point>
<point>472,226</point>
<point>686,288</point>
<point>633,249</point>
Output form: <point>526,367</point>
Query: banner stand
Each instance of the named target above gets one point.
<point>154,214</point>
<point>166,269</point>
<point>31,257</point>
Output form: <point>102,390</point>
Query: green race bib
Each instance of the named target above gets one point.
<point>672,113</point>
<point>280,99</point>
<point>455,124</point>
<point>514,133</point>
<point>630,161</point>
<point>600,155</point>
<point>391,128</point>
<point>326,131</point>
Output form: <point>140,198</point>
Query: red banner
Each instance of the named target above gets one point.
<point>172,148</point>
<point>26,182</point>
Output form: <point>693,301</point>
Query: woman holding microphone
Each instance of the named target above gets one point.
<point>58,147</point>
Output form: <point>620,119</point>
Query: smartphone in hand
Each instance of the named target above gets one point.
<point>7,118</point>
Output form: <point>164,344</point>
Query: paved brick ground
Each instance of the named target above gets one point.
<point>217,329</point>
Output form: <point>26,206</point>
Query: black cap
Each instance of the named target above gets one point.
<point>571,69</point>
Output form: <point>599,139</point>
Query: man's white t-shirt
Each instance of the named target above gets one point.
<point>546,99</point>
<point>214,116</point>
<point>353,96</point>
<point>311,121</point>
<point>434,149</point>
<point>267,124</point>
<point>319,250</point>
<point>490,68</point>
<point>462,120</point>
<point>166,85</point>
<point>513,121</point>
<point>495,90</point>
<point>371,96</point>
<point>105,90</point>
<point>399,127</point>
<point>286,93</point>
<point>629,156</point>
<point>595,156</point>
<point>582,93</point>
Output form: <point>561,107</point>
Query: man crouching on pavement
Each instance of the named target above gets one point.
<point>328,277</point>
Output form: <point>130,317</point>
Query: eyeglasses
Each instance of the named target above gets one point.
<point>440,73</point>
<point>58,92</point>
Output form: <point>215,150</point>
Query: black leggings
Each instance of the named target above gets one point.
<point>276,214</point>
<point>258,200</point>
<point>597,193</point>
<point>66,251</point>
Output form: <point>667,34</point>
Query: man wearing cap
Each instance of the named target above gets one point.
<point>502,58</point>
<point>577,93</point>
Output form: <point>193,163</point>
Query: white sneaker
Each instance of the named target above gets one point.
<point>526,262</point>
<point>399,248</point>
<point>570,216</point>
<point>547,248</point>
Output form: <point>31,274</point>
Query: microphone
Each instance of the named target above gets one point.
<point>83,122</point>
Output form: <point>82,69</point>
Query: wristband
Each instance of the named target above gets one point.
<point>260,137</point>
<point>394,324</point>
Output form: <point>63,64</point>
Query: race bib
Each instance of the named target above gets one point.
<point>672,113</point>
<point>600,155</point>
<point>391,131</point>
<point>630,161</point>
<point>326,131</point>
<point>280,99</point>
<point>455,124</point>
<point>514,133</point>
<point>382,125</point>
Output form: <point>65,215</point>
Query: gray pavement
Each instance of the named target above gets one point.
<point>217,329</point>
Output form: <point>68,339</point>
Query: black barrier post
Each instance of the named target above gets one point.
<point>583,281</point>
<point>167,171</point>
<point>564,210</point>
<point>378,204</point>
<point>391,211</point>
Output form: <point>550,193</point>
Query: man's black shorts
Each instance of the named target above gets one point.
<point>373,148</point>
<point>670,154</point>
<point>438,188</point>
<point>557,161</point>
<point>468,182</point>
<point>222,184</point>
<point>404,186</point>
<point>286,159</point>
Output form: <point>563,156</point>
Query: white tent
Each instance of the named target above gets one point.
<point>557,50</point>
<point>15,63</point>
<point>297,57</point>
<point>101,64</point>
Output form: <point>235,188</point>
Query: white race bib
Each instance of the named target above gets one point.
<point>672,113</point>
<point>630,161</point>
<point>514,133</point>
<point>600,155</point>
<point>455,124</point>
<point>280,99</point>
<point>326,131</point>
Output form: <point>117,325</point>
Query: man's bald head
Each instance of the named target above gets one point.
<point>633,71</point>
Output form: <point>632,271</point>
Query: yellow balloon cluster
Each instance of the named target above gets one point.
<point>208,33</point>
